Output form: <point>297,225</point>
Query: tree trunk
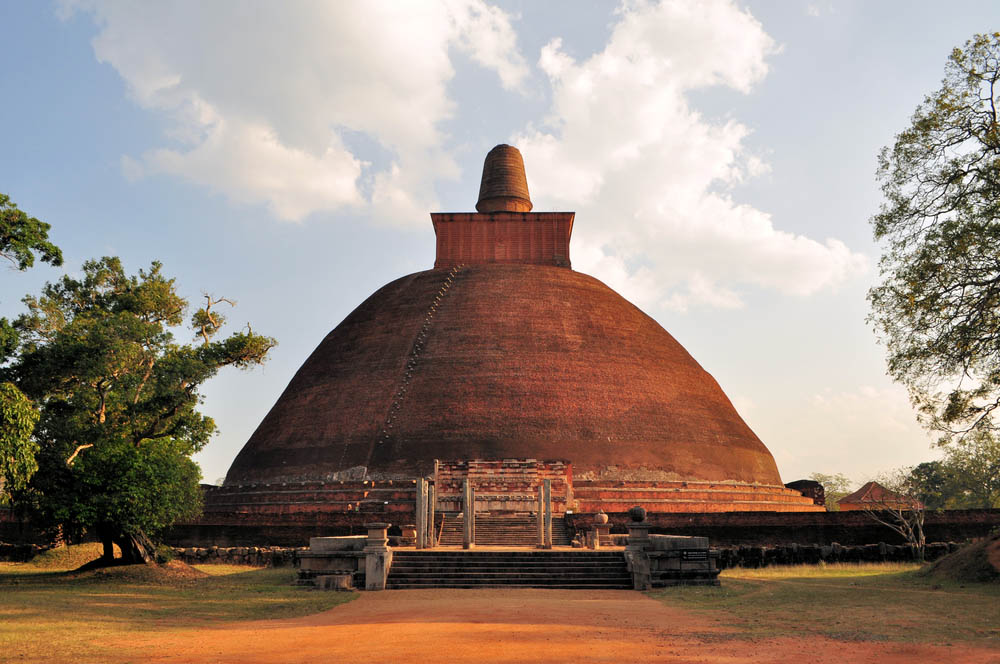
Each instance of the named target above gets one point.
<point>106,535</point>
<point>136,548</point>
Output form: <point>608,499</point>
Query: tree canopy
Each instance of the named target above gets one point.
<point>17,448</point>
<point>21,237</point>
<point>968,477</point>
<point>937,307</point>
<point>835,487</point>
<point>118,399</point>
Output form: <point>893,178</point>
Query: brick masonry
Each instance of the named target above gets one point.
<point>537,238</point>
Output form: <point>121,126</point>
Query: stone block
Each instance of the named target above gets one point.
<point>334,582</point>
<point>674,542</point>
<point>331,544</point>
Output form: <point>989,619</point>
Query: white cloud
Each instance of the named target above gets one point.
<point>259,94</point>
<point>623,146</point>
<point>265,104</point>
<point>818,10</point>
<point>861,432</point>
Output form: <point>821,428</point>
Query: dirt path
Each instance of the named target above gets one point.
<point>512,626</point>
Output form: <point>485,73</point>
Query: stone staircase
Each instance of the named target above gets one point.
<point>596,570</point>
<point>502,530</point>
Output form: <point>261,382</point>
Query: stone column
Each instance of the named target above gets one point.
<point>421,510</point>
<point>637,549</point>
<point>547,486</point>
<point>601,528</point>
<point>541,517</point>
<point>378,556</point>
<point>469,515</point>
<point>431,507</point>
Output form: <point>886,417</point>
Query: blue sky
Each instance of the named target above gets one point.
<point>720,157</point>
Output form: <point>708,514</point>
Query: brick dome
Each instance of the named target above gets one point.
<point>502,360</point>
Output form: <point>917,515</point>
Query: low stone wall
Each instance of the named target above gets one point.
<point>20,552</point>
<point>761,556</point>
<point>802,528</point>
<point>256,556</point>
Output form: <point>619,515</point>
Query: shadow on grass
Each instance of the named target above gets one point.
<point>157,602</point>
<point>853,603</point>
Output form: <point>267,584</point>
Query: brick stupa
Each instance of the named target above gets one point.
<point>502,354</point>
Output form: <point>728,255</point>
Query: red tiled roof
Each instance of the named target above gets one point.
<point>875,494</point>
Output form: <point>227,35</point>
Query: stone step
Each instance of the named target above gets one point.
<point>571,586</point>
<point>497,568</point>
<point>524,569</point>
<point>540,555</point>
<point>509,574</point>
<point>501,530</point>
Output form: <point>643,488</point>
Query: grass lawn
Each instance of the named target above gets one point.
<point>50,614</point>
<point>863,602</point>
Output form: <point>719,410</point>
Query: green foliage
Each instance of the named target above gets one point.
<point>934,484</point>
<point>118,399</point>
<point>21,237</point>
<point>968,477</point>
<point>17,448</point>
<point>972,463</point>
<point>937,307</point>
<point>835,487</point>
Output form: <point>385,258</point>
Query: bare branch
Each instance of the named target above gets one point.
<point>79,448</point>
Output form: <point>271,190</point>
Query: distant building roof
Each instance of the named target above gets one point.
<point>873,494</point>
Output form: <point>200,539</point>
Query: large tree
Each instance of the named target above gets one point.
<point>937,307</point>
<point>118,399</point>
<point>21,237</point>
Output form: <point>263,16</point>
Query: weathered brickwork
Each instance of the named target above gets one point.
<point>536,238</point>
<point>519,362</point>
<point>672,496</point>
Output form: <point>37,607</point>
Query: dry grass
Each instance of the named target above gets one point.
<point>863,602</point>
<point>48,613</point>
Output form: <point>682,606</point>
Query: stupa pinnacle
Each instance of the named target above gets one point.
<point>504,186</point>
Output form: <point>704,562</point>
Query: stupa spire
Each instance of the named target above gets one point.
<point>504,187</point>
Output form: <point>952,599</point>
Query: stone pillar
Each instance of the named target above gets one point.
<point>547,486</point>
<point>421,511</point>
<point>601,528</point>
<point>469,515</point>
<point>541,517</point>
<point>637,549</point>
<point>431,507</point>
<point>378,556</point>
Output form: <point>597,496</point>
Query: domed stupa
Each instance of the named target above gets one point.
<point>502,363</point>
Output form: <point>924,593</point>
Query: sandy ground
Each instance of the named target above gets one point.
<point>514,626</point>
